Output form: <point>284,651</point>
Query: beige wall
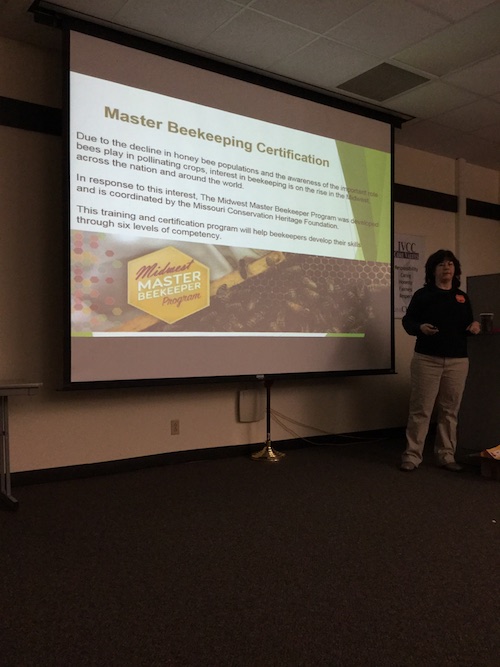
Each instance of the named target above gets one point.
<point>58,428</point>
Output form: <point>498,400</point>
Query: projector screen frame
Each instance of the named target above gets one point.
<point>229,70</point>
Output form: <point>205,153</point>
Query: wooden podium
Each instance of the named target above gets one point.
<point>8,389</point>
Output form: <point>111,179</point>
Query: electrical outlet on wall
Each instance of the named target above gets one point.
<point>175,427</point>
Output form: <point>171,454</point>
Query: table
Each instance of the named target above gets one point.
<point>8,389</point>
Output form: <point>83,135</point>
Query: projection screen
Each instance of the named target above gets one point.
<point>219,228</point>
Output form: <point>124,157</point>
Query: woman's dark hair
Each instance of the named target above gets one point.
<point>435,259</point>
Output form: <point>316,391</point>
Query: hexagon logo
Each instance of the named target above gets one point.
<point>168,284</point>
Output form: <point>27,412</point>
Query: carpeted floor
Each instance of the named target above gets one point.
<point>330,557</point>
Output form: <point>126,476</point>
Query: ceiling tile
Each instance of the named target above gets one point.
<point>325,64</point>
<point>491,132</point>
<point>255,39</point>
<point>431,99</point>
<point>185,22</point>
<point>428,136</point>
<point>471,117</point>
<point>434,138</point>
<point>316,15</point>
<point>453,10</point>
<point>398,22</point>
<point>464,43</point>
<point>482,78</point>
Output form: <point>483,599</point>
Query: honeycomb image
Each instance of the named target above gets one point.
<point>302,294</point>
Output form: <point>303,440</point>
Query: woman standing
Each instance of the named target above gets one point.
<point>440,316</point>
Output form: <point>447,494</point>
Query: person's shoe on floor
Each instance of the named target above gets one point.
<point>452,467</point>
<point>407,466</point>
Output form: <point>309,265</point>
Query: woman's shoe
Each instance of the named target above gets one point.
<point>452,467</point>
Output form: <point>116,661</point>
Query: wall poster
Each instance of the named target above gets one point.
<point>409,270</point>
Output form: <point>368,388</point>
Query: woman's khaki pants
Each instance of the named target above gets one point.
<point>440,382</point>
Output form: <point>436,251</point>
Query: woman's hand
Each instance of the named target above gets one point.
<point>428,329</point>
<point>474,328</point>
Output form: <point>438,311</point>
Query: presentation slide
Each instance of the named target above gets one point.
<point>218,228</point>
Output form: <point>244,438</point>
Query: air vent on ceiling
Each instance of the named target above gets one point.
<point>382,82</point>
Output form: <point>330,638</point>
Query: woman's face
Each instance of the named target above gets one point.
<point>444,271</point>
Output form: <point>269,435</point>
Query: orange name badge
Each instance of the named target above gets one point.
<point>460,298</point>
<point>168,284</point>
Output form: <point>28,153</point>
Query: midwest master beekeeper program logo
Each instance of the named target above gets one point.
<point>168,284</point>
